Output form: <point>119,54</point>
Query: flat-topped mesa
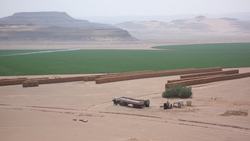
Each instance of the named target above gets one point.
<point>56,27</point>
<point>42,15</point>
<point>61,19</point>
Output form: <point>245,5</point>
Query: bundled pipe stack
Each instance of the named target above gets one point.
<point>30,83</point>
<point>188,77</point>
<point>203,78</point>
<point>149,74</point>
<point>204,75</point>
<point>6,82</point>
<point>34,82</point>
<point>69,79</point>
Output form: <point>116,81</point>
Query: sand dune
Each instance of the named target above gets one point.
<point>198,29</point>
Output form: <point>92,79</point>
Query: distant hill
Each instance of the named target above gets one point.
<point>56,27</point>
<point>245,16</point>
<point>198,29</point>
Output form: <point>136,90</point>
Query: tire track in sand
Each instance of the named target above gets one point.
<point>93,112</point>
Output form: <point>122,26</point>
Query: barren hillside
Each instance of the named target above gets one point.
<point>56,27</point>
<point>197,29</point>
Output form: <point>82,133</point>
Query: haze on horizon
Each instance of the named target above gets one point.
<point>84,8</point>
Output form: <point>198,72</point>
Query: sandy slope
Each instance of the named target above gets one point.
<point>132,45</point>
<point>199,29</point>
<point>140,45</point>
<point>47,112</point>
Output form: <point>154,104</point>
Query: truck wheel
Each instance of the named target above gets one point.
<point>115,102</point>
<point>146,103</point>
<point>137,106</point>
<point>123,104</point>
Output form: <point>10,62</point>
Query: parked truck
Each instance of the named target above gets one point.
<point>125,101</point>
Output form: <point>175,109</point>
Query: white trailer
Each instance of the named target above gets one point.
<point>137,103</point>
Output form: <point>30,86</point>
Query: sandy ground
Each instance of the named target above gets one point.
<point>52,111</point>
<point>140,45</point>
<point>133,46</point>
<point>48,112</point>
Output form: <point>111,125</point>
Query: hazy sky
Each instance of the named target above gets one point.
<point>83,8</point>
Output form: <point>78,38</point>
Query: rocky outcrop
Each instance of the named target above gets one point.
<point>56,27</point>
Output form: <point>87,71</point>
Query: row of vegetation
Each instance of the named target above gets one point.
<point>16,62</point>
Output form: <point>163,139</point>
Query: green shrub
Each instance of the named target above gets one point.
<point>186,92</point>
<point>177,91</point>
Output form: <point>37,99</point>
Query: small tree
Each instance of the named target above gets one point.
<point>177,91</point>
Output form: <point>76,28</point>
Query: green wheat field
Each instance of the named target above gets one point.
<point>40,62</point>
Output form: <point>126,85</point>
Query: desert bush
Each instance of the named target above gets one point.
<point>185,92</point>
<point>177,91</point>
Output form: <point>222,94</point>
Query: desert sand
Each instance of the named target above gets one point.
<point>119,45</point>
<point>55,111</point>
<point>140,45</point>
